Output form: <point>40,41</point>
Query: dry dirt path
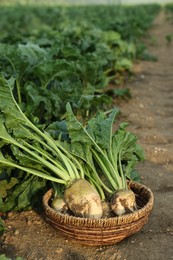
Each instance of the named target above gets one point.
<point>150,114</point>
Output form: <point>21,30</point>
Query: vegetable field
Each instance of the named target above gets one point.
<point>69,54</point>
<point>68,76</point>
<point>60,55</point>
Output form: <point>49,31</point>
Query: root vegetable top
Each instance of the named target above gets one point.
<point>83,199</point>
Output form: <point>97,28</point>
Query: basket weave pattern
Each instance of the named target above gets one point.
<point>104,231</point>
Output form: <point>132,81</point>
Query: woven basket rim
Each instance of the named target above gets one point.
<point>103,222</point>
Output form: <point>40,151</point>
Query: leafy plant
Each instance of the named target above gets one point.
<point>115,153</point>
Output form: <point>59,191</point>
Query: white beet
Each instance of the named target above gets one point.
<point>123,201</point>
<point>58,204</point>
<point>83,200</point>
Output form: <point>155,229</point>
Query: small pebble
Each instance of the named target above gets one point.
<point>16,232</point>
<point>38,222</point>
<point>141,105</point>
<point>59,250</point>
<point>10,214</point>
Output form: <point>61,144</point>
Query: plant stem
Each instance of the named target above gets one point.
<point>33,171</point>
<point>114,182</point>
<point>18,91</point>
<point>54,76</point>
<point>123,178</point>
<point>47,157</point>
<point>17,80</point>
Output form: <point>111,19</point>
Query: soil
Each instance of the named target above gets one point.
<point>150,114</point>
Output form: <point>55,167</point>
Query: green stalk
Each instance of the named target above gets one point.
<point>124,184</point>
<point>61,174</point>
<point>101,192</point>
<point>18,91</point>
<point>95,174</point>
<point>54,76</point>
<point>96,185</point>
<point>113,159</point>
<point>68,164</point>
<point>74,169</point>
<point>58,172</point>
<point>98,180</point>
<point>32,171</point>
<point>70,168</point>
<point>58,147</point>
<point>17,81</point>
<point>46,137</point>
<point>105,170</point>
<point>46,156</point>
<point>103,154</point>
<point>75,161</point>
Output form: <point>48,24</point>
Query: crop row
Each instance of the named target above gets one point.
<point>71,54</point>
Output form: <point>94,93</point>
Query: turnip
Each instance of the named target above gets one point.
<point>123,201</point>
<point>59,204</point>
<point>83,199</point>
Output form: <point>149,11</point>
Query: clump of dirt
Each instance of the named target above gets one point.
<point>150,114</point>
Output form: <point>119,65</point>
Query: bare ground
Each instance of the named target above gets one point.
<point>150,114</point>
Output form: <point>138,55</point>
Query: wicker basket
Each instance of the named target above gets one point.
<point>108,231</point>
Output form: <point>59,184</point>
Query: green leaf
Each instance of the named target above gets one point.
<point>111,37</point>
<point>75,128</point>
<point>28,196</point>
<point>123,64</point>
<point>7,185</point>
<point>8,105</point>
<point>81,150</point>
<point>94,102</point>
<point>22,196</point>
<point>58,130</point>
<point>101,128</point>
<point>123,93</point>
<point>31,52</point>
